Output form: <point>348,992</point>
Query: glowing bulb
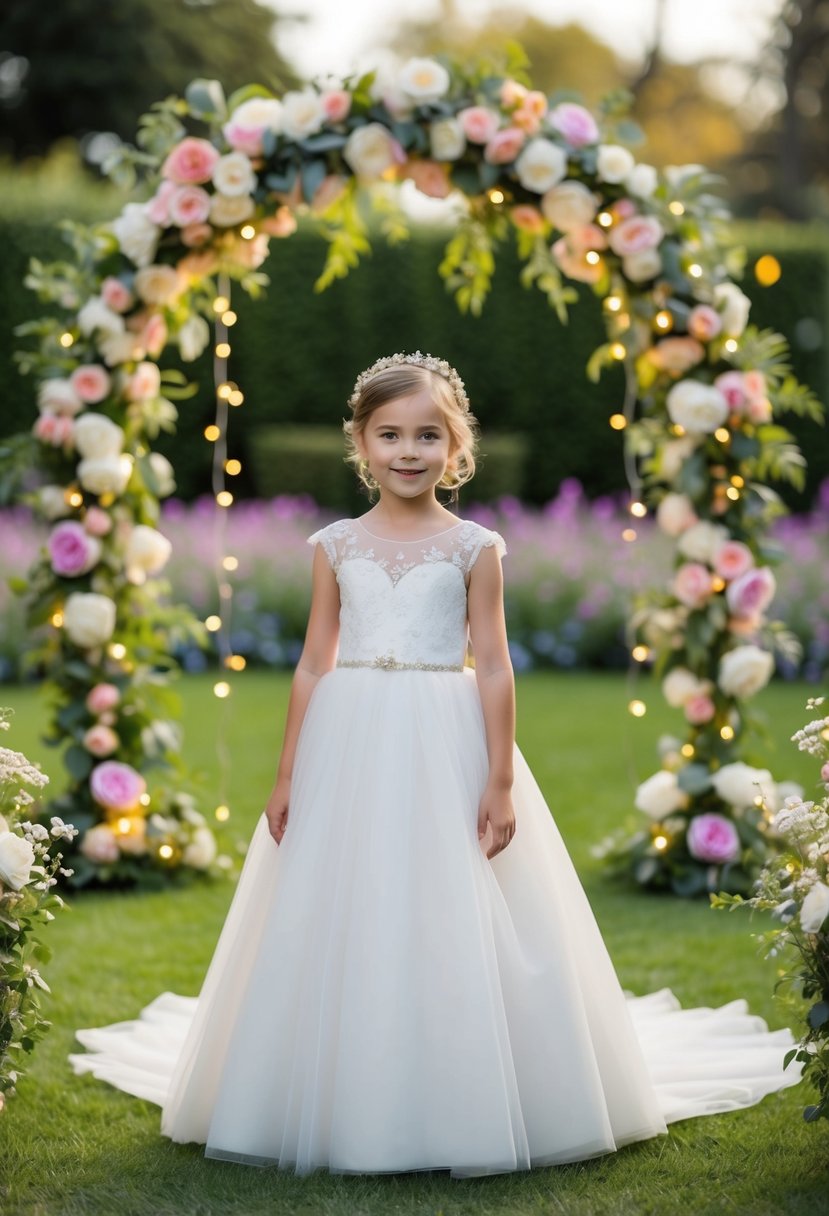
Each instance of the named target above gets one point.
<point>733,493</point>
<point>74,498</point>
<point>229,318</point>
<point>221,689</point>
<point>618,422</point>
<point>117,650</point>
<point>232,467</point>
<point>737,481</point>
<point>592,257</point>
<point>676,207</point>
<point>222,813</point>
<point>165,851</point>
<point>617,350</point>
<point>695,270</point>
<point>224,498</point>
<point>123,825</point>
<point>212,432</point>
<point>638,509</point>
<point>676,429</point>
<point>730,345</point>
<point>717,583</point>
<point>236,662</point>
<point>687,750</point>
<point>247,233</point>
<point>236,397</point>
<point>496,196</point>
<point>637,708</point>
<point>640,653</point>
<point>213,623</point>
<point>223,391</point>
<point>66,340</point>
<point>605,219</point>
<point>660,842</point>
<point>144,799</point>
<point>221,304</point>
<point>613,303</point>
<point>230,563</point>
<point>758,799</point>
<point>664,320</point>
<point>222,350</point>
<point>629,534</point>
<point>767,270</point>
<point>723,434</point>
<point>57,618</point>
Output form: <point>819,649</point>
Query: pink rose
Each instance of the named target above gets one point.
<point>692,584</point>
<point>102,697</point>
<point>526,120</point>
<point>190,162</point>
<point>699,709</point>
<point>99,844</point>
<point>429,177</point>
<point>153,336</point>
<point>144,382</point>
<point>535,103</point>
<point>570,252</point>
<point>577,125</point>
<point>752,592</point>
<point>676,355</point>
<point>744,626</point>
<point>824,772</point>
<point>704,322</point>
<point>510,94</point>
<point>755,384</point>
<point>54,429</point>
<point>97,522</point>
<point>283,223</point>
<point>116,786</point>
<point>101,740</point>
<point>71,550</point>
<point>635,235</point>
<point>713,838</point>
<point>158,208</point>
<point>478,123</point>
<point>758,410</point>
<point>732,386</point>
<point>197,265</point>
<point>527,218</point>
<point>251,253</point>
<point>336,104</point>
<point>504,146</point>
<point>194,235</point>
<point>91,382</point>
<point>732,559</point>
<point>622,209</point>
<point>189,205</point>
<point>116,295</point>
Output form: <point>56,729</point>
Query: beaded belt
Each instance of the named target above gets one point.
<point>388,663</point>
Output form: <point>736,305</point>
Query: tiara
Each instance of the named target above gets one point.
<point>417,359</point>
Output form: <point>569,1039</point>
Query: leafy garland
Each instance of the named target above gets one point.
<point>542,169</point>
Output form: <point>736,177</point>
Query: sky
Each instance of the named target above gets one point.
<point>341,34</point>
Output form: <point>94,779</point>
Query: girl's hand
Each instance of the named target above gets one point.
<point>277,808</point>
<point>496,810</point>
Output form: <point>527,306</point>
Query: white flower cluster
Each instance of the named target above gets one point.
<point>810,738</point>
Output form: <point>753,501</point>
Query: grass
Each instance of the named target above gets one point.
<point>71,1145</point>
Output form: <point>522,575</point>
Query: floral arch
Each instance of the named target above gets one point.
<point>224,178</point>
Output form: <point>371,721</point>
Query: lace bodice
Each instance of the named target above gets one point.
<point>404,600</point>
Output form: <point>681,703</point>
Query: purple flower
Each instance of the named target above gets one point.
<point>713,838</point>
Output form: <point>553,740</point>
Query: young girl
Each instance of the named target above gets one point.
<point>410,976</point>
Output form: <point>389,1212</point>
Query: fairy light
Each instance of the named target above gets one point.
<point>144,799</point>
<point>165,851</point>
<point>116,650</point>
<point>676,207</point>
<point>57,619</point>
<point>613,303</point>
<point>224,498</point>
<point>731,345</point>
<point>496,196</point>
<point>66,340</point>
<point>221,689</point>
<point>230,562</point>
<point>233,467</point>
<point>617,350</point>
<point>247,232</point>
<point>767,270</point>
<point>733,493</point>
<point>221,304</point>
<point>222,812</point>
<point>629,534</point>
<point>638,509</point>
<point>235,397</point>
<point>737,481</point>
<point>211,433</point>
<point>695,270</point>
<point>236,662</point>
<point>723,434</point>
<point>223,350</point>
<point>618,422</point>
<point>592,257</point>
<point>677,430</point>
<point>687,750</point>
<point>212,623</point>
<point>717,583</point>
<point>637,708</point>
<point>641,653</point>
<point>605,219</point>
<point>660,842</point>
<point>229,318</point>
<point>664,320</point>
<point>224,389</point>
<point>74,498</point>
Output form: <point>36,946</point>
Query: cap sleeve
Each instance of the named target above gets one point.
<point>486,538</point>
<point>324,537</point>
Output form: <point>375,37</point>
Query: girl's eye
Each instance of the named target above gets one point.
<point>388,435</point>
<point>430,435</point>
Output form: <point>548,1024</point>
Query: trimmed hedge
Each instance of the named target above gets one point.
<point>296,355</point>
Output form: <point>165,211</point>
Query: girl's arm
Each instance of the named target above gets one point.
<point>318,656</point>
<point>496,685</point>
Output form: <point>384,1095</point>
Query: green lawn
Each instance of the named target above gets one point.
<point>71,1145</point>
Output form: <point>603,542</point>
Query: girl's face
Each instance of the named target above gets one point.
<point>407,444</point>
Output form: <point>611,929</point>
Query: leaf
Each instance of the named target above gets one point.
<point>818,1015</point>
<point>694,779</point>
<point>326,141</point>
<point>313,175</point>
<point>78,762</point>
<point>206,99</point>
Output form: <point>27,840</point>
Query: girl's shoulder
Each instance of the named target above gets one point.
<point>464,540</point>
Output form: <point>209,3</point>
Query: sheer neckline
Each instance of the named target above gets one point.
<point>392,540</point>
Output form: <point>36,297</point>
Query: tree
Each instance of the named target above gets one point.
<point>81,66</point>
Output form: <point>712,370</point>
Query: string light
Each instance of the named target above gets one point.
<point>233,467</point>
<point>737,480</point>
<point>57,618</point>
<point>605,219</point>
<point>629,534</point>
<point>116,650</point>
<point>224,389</point>
<point>723,434</point>
<point>247,232</point>
<point>676,207</point>
<point>613,303</point>
<point>229,318</point>
<point>767,270</point>
<point>222,812</point>
<point>221,304</point>
<point>236,662</point>
<point>660,842</point>
<point>221,689</point>
<point>224,498</point>
<point>222,350</point>
<point>235,397</point>
<point>687,750</point>
<point>617,350</point>
<point>695,270</point>
<point>638,509</point>
<point>637,708</point>
<point>144,799</point>
<point>641,653</point>
<point>730,345</point>
<point>496,196</point>
<point>733,493</point>
<point>592,257</point>
<point>717,583</point>
<point>664,320</point>
<point>230,562</point>
<point>213,623</point>
<point>618,422</point>
<point>676,429</point>
<point>212,433</point>
<point>165,851</point>
<point>66,340</point>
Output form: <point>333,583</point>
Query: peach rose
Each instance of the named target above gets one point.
<point>189,205</point>
<point>54,429</point>
<point>429,177</point>
<point>191,162</point>
<point>758,411</point>
<point>699,709</point>
<point>196,235</point>
<point>336,104</point>
<point>116,295</point>
<point>153,334</point>
<point>478,123</point>
<point>144,383</point>
<point>102,697</point>
<point>526,120</point>
<point>635,235</point>
<point>732,559</point>
<point>101,740</point>
<point>676,355</point>
<point>91,382</point>
<point>755,384</point>
<point>504,146</point>
<point>692,584</point>
<point>97,522</point>
<point>511,94</point>
<point>704,322</point>
<point>158,208</point>
<point>527,218</point>
<point>571,252</point>
<point>283,222</point>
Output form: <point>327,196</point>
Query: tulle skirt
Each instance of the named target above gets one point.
<point>384,998</point>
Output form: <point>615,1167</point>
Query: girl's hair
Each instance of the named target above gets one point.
<point>401,380</point>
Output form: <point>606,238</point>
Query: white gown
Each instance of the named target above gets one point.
<point>385,998</point>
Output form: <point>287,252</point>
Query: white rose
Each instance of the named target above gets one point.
<point>369,150</point>
<point>614,163</point>
<point>119,348</point>
<point>663,626</point>
<point>569,205</point>
<point>95,317</point>
<point>147,552</point>
<point>226,211</point>
<point>680,685</point>
<point>639,267</point>
<point>787,789</point>
<point>51,501</point>
<point>163,472</point>
<point>675,513</point>
<point>88,618</point>
<point>303,114</point>
<point>105,474</point>
<point>739,784</point>
<point>660,795</point>
<point>59,397</point>
<point>201,850</point>
<point>698,408</point>
<point>541,165</point>
<point>100,844</point>
<point>136,234</point>
<point>815,908</point>
<point>423,80</point>
<point>447,139</point>
<point>677,174</point>
<point>642,181</point>
<point>733,306</point>
<point>96,435</point>
<point>702,540</point>
<point>234,174</point>
<point>193,337</point>
<point>257,113</point>
<point>158,284</point>
<point>672,456</point>
<point>17,856</point>
<point>745,670</point>
<point>162,736</point>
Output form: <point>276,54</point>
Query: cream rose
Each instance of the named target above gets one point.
<point>96,435</point>
<point>739,784</point>
<point>639,267</point>
<point>660,795</point>
<point>17,856</point>
<point>815,908</point>
<point>147,552</point>
<point>59,397</point>
<point>88,618</point>
<point>95,317</point>
<point>303,114</point>
<point>541,166</point>
<point>673,455</point>
<point>163,473</point>
<point>680,685</point>
<point>423,80</point>
<point>369,151</point>
<point>201,850</point>
<point>234,175</point>
<point>745,670</point>
<point>701,541</point>
<point>447,139</point>
<point>698,408</point>
<point>642,180</point>
<point>569,205</point>
<point>614,163</point>
<point>136,234</point>
<point>105,474</point>
<point>675,514</point>
<point>193,337</point>
<point>733,307</point>
<point>226,211</point>
<point>100,844</point>
<point>51,501</point>
<point>159,285</point>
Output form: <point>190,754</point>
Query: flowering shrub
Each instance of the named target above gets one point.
<point>27,876</point>
<point>794,887</point>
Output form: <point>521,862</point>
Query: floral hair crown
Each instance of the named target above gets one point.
<point>417,359</point>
